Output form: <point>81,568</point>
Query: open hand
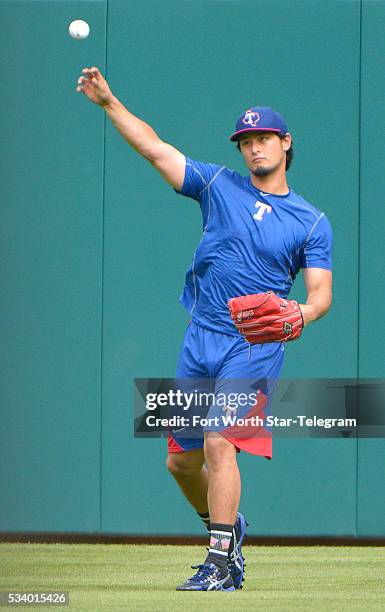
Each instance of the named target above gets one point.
<point>94,86</point>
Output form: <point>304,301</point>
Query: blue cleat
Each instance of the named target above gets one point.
<point>236,561</point>
<point>209,577</point>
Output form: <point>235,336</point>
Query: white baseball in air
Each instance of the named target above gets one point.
<point>79,29</point>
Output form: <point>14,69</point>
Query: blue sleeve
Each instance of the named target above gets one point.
<point>197,177</point>
<point>317,252</point>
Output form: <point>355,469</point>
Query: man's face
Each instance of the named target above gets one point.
<point>264,152</point>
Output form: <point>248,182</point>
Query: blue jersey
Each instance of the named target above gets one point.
<point>252,242</point>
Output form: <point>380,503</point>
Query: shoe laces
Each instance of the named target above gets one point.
<point>235,553</point>
<point>204,571</point>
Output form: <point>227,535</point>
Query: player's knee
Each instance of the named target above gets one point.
<point>218,451</point>
<point>183,464</point>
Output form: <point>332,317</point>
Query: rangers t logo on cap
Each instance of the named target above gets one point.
<point>259,119</point>
<point>251,118</point>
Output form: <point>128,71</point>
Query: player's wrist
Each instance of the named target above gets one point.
<point>309,313</point>
<point>110,103</point>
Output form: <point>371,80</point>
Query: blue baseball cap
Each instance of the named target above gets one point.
<point>259,119</point>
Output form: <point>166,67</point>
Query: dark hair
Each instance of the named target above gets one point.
<point>289,152</point>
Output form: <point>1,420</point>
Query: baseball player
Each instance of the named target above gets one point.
<point>257,234</point>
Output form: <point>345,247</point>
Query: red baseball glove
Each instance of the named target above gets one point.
<point>265,317</point>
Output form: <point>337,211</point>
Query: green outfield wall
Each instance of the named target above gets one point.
<point>94,248</point>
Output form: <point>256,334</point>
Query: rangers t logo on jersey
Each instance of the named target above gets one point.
<point>262,208</point>
<point>251,118</point>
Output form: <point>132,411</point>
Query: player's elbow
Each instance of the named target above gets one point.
<point>328,300</point>
<point>152,151</point>
<point>317,305</point>
<point>329,303</point>
<point>323,305</point>
<point>170,163</point>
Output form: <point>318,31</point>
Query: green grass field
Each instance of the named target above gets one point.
<point>117,577</point>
